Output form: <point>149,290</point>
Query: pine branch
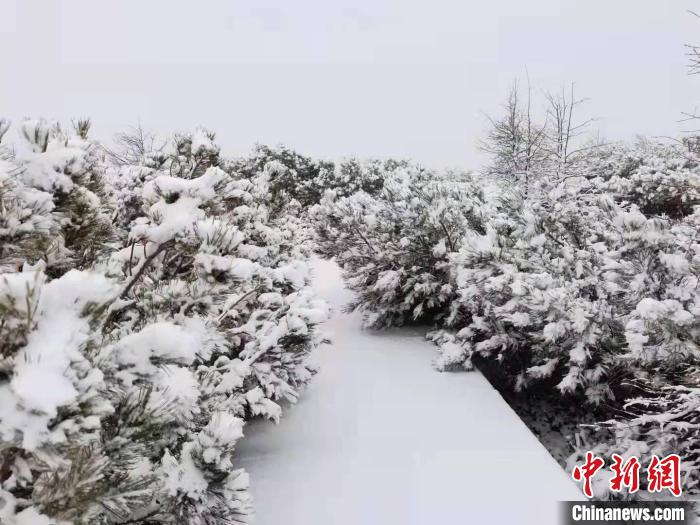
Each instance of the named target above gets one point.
<point>146,263</point>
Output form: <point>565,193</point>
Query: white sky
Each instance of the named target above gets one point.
<point>368,77</point>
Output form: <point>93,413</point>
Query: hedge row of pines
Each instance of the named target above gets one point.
<point>156,296</point>
<point>568,271</point>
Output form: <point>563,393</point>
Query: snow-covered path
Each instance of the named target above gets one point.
<point>380,437</point>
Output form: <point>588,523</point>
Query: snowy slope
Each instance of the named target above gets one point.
<point>380,437</point>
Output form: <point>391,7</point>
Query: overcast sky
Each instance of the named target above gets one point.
<point>368,77</point>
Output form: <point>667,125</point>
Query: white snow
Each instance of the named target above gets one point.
<point>675,262</point>
<point>202,142</point>
<point>262,406</point>
<point>30,516</point>
<point>388,280</point>
<point>652,309</point>
<point>183,476</point>
<point>162,339</point>
<point>50,349</point>
<point>224,428</point>
<point>182,216</point>
<point>179,391</point>
<point>382,438</point>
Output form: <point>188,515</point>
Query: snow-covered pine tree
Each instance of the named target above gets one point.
<point>155,354</point>
<point>352,175</point>
<point>660,178</point>
<point>210,273</point>
<point>194,153</point>
<point>659,415</point>
<point>553,290</point>
<point>394,247</point>
<point>27,223</point>
<point>54,466</point>
<point>662,419</point>
<point>69,168</point>
<point>296,177</point>
<point>291,174</point>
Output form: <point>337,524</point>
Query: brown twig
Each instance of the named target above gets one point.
<point>146,264</point>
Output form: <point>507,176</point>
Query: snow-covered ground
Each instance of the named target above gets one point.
<point>380,437</point>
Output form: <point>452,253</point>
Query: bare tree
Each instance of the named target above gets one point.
<point>134,146</point>
<point>524,147</point>
<point>516,141</point>
<point>693,54</point>
<point>564,133</point>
